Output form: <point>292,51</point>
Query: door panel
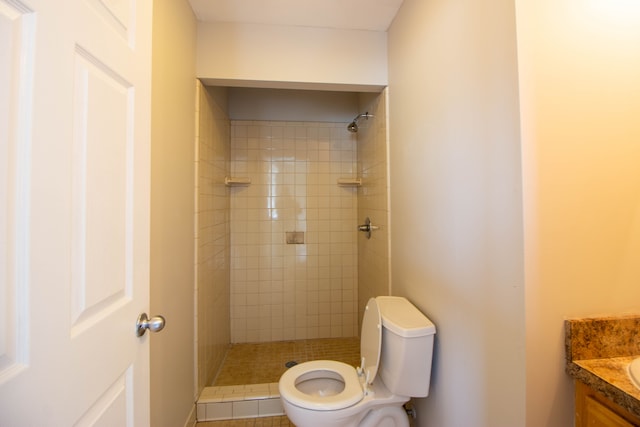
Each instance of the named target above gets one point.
<point>110,408</point>
<point>17,33</point>
<point>74,211</point>
<point>103,185</point>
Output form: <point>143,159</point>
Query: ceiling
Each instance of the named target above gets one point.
<point>369,15</point>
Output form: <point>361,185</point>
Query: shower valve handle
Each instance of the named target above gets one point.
<point>367,227</point>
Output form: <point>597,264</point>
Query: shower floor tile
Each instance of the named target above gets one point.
<point>282,421</point>
<point>259,363</point>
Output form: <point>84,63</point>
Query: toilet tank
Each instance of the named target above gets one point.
<point>407,347</point>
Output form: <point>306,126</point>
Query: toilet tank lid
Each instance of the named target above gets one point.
<point>403,318</point>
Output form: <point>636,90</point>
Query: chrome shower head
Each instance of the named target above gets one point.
<point>353,126</point>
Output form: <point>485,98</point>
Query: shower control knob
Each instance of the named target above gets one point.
<point>367,227</point>
<point>154,324</point>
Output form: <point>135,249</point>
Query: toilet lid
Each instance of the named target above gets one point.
<point>370,340</point>
<point>318,369</point>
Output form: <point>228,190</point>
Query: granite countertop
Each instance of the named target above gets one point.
<point>598,352</point>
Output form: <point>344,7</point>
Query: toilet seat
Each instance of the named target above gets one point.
<point>356,382</point>
<point>318,369</point>
<point>370,341</point>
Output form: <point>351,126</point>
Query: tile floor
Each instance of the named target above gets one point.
<point>282,421</point>
<point>265,362</point>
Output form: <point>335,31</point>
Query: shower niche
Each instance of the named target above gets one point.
<point>310,168</point>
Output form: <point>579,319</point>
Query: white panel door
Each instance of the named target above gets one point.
<point>75,81</point>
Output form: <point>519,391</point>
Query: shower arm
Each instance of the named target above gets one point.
<point>365,115</point>
<point>353,126</point>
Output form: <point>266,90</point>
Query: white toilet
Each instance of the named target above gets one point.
<point>396,348</point>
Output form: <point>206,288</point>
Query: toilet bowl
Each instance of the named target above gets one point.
<point>369,411</point>
<point>325,393</point>
<point>323,385</point>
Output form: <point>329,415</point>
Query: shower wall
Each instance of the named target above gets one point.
<point>283,291</point>
<point>373,200</point>
<point>212,232</point>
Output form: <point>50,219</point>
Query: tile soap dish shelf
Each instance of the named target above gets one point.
<point>349,182</point>
<point>236,182</point>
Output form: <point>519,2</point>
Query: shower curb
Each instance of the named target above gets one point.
<point>239,401</point>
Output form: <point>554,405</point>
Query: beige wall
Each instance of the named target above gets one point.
<point>373,200</point>
<point>213,245</point>
<point>580,104</point>
<point>294,57</point>
<point>291,105</point>
<point>456,216</point>
<point>172,172</point>
<point>457,228</point>
<point>288,291</point>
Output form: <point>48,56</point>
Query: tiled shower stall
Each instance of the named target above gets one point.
<point>253,286</point>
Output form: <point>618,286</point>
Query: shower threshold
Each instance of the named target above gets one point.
<point>239,401</point>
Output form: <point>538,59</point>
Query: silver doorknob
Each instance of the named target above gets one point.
<point>155,324</point>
